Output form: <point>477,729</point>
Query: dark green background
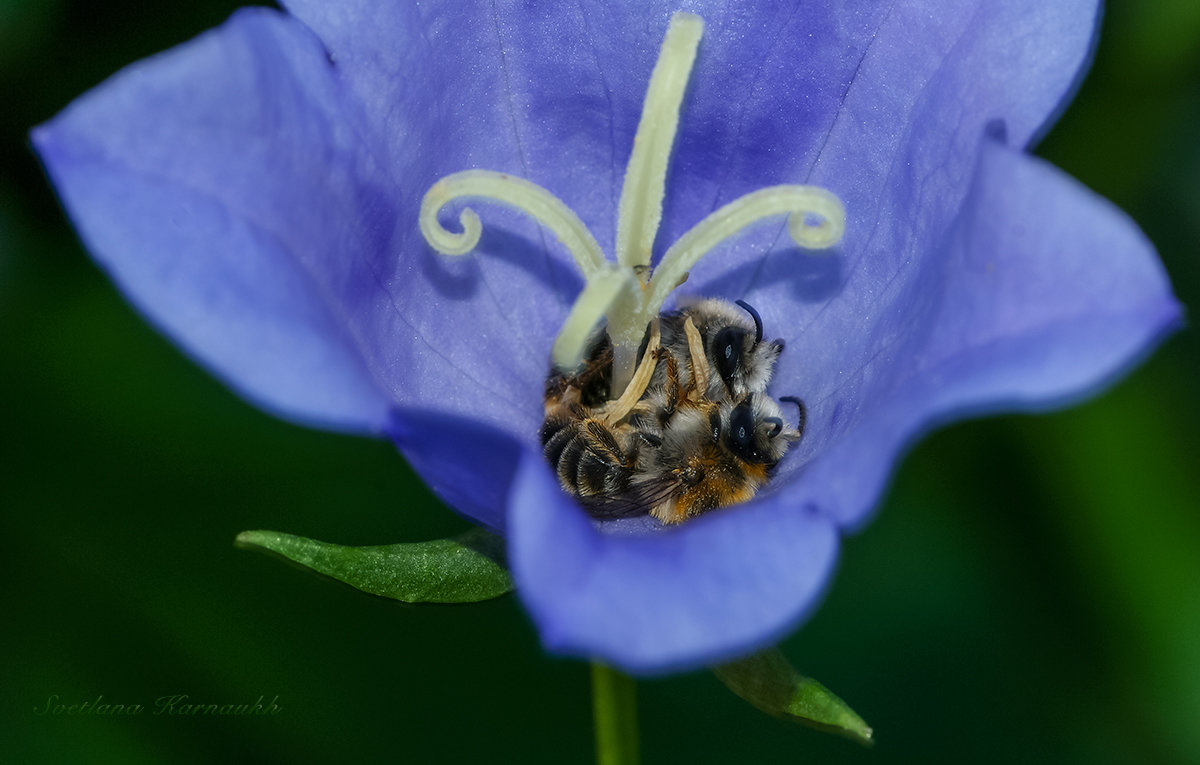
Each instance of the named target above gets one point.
<point>1030,590</point>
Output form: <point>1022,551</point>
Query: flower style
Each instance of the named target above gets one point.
<point>256,193</point>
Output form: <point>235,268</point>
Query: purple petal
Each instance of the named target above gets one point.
<point>433,86</point>
<point>416,93</point>
<point>1042,293</point>
<point>709,590</point>
<point>469,465</point>
<point>239,196</point>
<point>211,183</point>
<point>432,93</point>
<point>255,192</point>
<point>554,93</point>
<point>888,116</point>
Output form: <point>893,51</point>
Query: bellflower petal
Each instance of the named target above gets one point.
<point>879,343</point>
<point>656,602</point>
<point>469,464</point>
<point>256,191</point>
<point>1041,293</point>
<point>213,183</point>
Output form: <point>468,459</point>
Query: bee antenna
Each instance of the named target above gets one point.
<point>778,423</point>
<point>757,320</point>
<point>803,411</point>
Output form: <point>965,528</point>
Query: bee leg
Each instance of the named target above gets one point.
<point>673,389</point>
<point>700,371</point>
<point>617,410</point>
<point>605,469</point>
<point>604,445</point>
<point>652,440</point>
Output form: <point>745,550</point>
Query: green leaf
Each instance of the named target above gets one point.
<point>768,682</point>
<point>466,569</point>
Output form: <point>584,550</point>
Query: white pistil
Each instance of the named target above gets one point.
<point>640,209</point>
<point>621,291</point>
<point>515,192</point>
<point>796,201</point>
<point>616,410</point>
<point>590,307</point>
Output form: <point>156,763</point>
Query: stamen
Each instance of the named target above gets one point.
<point>816,220</point>
<point>615,411</point>
<point>510,191</point>
<point>699,358</point>
<point>640,208</point>
<point>799,202</point>
<point>598,295</point>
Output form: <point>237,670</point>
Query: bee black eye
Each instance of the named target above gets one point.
<point>727,351</point>
<point>740,439</point>
<point>714,422</point>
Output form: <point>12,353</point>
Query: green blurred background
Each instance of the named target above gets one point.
<point>1030,590</point>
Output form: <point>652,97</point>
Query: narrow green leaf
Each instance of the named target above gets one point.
<point>466,569</point>
<point>768,682</point>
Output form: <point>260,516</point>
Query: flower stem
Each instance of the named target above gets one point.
<point>614,706</point>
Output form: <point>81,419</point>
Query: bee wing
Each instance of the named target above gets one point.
<point>639,499</point>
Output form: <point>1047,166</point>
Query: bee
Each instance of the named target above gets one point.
<point>717,349</point>
<point>712,454</point>
<point>593,445</point>
<point>594,460</point>
<point>734,360</point>
<point>693,430</point>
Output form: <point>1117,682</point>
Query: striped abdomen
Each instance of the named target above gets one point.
<point>592,462</point>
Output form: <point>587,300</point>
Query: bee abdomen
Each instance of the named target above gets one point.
<point>567,465</point>
<point>596,476</point>
<point>588,459</point>
<point>555,434</point>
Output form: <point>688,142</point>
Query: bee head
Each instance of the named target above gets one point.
<point>754,430</point>
<point>740,356</point>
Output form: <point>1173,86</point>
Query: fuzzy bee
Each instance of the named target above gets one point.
<point>735,360</point>
<point>595,449</point>
<point>693,431</point>
<point>724,343</point>
<point>711,455</point>
<point>597,461</point>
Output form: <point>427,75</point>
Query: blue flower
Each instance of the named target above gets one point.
<point>255,193</point>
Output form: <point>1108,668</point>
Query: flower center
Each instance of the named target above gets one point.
<point>627,293</point>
